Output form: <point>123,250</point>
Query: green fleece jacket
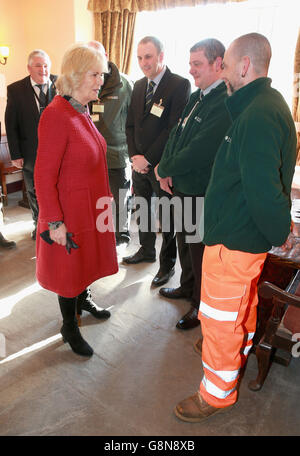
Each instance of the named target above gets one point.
<point>247,205</point>
<point>190,151</point>
<point>115,95</point>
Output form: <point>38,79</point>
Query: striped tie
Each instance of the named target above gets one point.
<point>149,93</point>
<point>42,97</point>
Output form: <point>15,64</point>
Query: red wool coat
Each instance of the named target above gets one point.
<point>70,176</point>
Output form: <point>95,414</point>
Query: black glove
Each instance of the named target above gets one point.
<point>45,235</point>
<point>70,243</point>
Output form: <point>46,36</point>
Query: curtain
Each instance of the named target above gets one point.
<point>296,99</point>
<point>146,5</point>
<point>115,31</point>
<point>115,21</point>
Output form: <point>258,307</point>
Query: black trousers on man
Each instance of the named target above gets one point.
<point>29,185</point>
<point>190,253</point>
<point>146,186</point>
<point>119,184</point>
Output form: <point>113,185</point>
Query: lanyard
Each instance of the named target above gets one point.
<point>38,98</point>
<point>182,124</point>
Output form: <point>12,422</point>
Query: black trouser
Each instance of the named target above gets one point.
<point>120,188</point>
<point>146,186</point>
<point>29,184</point>
<point>190,253</point>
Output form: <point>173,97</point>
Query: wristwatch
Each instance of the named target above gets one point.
<point>54,225</point>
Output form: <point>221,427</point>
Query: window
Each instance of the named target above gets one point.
<point>181,28</point>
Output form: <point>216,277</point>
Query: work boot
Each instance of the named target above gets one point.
<point>195,409</point>
<point>69,330</point>
<point>85,302</point>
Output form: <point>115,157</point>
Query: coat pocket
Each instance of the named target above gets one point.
<point>221,301</point>
<point>78,214</point>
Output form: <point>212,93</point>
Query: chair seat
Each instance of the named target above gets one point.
<point>6,167</point>
<point>10,169</point>
<point>291,319</point>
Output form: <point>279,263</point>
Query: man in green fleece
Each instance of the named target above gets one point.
<point>186,164</point>
<point>109,115</point>
<point>247,211</point>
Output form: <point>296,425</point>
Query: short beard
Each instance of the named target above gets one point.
<point>230,89</point>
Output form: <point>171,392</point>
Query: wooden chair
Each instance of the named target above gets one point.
<point>6,167</point>
<point>282,330</point>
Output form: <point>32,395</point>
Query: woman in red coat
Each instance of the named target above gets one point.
<point>73,194</point>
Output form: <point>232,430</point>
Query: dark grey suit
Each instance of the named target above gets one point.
<point>147,135</point>
<point>21,122</point>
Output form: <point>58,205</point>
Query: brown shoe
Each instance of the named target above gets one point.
<point>198,346</point>
<point>139,257</point>
<point>174,293</point>
<point>189,320</point>
<point>194,409</point>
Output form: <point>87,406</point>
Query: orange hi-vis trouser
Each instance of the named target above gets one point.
<point>228,319</point>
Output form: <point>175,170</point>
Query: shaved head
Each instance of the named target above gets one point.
<point>247,58</point>
<point>257,48</point>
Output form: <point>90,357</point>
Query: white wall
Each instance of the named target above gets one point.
<point>52,25</point>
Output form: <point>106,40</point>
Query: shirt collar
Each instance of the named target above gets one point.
<point>82,109</point>
<point>159,77</point>
<point>212,86</point>
<point>34,84</point>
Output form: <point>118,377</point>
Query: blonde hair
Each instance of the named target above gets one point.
<point>79,59</point>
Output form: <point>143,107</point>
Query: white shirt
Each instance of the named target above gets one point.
<point>157,79</point>
<point>212,86</point>
<point>37,89</point>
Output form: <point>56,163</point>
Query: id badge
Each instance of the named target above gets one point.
<point>157,110</point>
<point>95,117</point>
<point>98,108</point>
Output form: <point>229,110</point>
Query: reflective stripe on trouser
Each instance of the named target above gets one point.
<point>228,319</point>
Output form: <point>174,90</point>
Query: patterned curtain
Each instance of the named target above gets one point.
<point>115,31</point>
<point>115,21</point>
<point>147,5</point>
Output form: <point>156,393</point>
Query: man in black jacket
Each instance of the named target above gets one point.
<point>26,100</point>
<point>157,102</point>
